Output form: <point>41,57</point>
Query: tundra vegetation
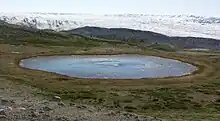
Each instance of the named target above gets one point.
<point>191,97</point>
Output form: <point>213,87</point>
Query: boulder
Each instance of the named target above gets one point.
<point>3,112</point>
<point>57,98</point>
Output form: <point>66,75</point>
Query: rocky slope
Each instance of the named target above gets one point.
<point>20,103</point>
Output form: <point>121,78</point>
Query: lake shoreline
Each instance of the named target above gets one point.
<point>199,67</point>
<point>125,59</point>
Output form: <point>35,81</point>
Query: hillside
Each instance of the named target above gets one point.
<point>147,37</point>
<point>14,34</point>
<point>23,35</point>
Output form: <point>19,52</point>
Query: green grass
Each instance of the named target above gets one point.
<point>193,97</point>
<point>163,47</point>
<point>17,36</point>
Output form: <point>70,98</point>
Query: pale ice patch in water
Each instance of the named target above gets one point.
<point>108,62</point>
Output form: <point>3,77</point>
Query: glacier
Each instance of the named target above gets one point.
<point>171,25</point>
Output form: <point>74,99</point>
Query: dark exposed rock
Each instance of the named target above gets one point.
<point>81,107</point>
<point>3,112</point>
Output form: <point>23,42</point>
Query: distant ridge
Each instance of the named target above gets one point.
<point>147,37</point>
<point>144,38</point>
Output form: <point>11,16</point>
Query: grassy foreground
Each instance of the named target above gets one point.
<point>193,97</point>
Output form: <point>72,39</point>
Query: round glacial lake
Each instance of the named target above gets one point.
<point>110,66</point>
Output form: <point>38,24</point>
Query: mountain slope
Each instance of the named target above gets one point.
<point>121,34</point>
<point>147,37</point>
<point>13,34</point>
<point>178,25</point>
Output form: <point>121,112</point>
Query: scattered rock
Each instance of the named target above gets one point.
<point>41,112</point>
<point>3,112</point>
<point>136,117</point>
<point>111,113</point>
<point>45,102</point>
<point>46,115</point>
<point>28,107</point>
<point>148,118</point>
<point>3,116</point>
<point>56,98</point>
<point>72,104</point>
<point>9,108</point>
<point>12,101</point>
<point>128,114</point>
<point>90,110</point>
<point>62,119</point>
<point>5,102</point>
<point>81,107</point>
<point>35,114</point>
<point>155,119</point>
<point>118,112</point>
<point>47,108</point>
<point>21,109</point>
<point>61,104</point>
